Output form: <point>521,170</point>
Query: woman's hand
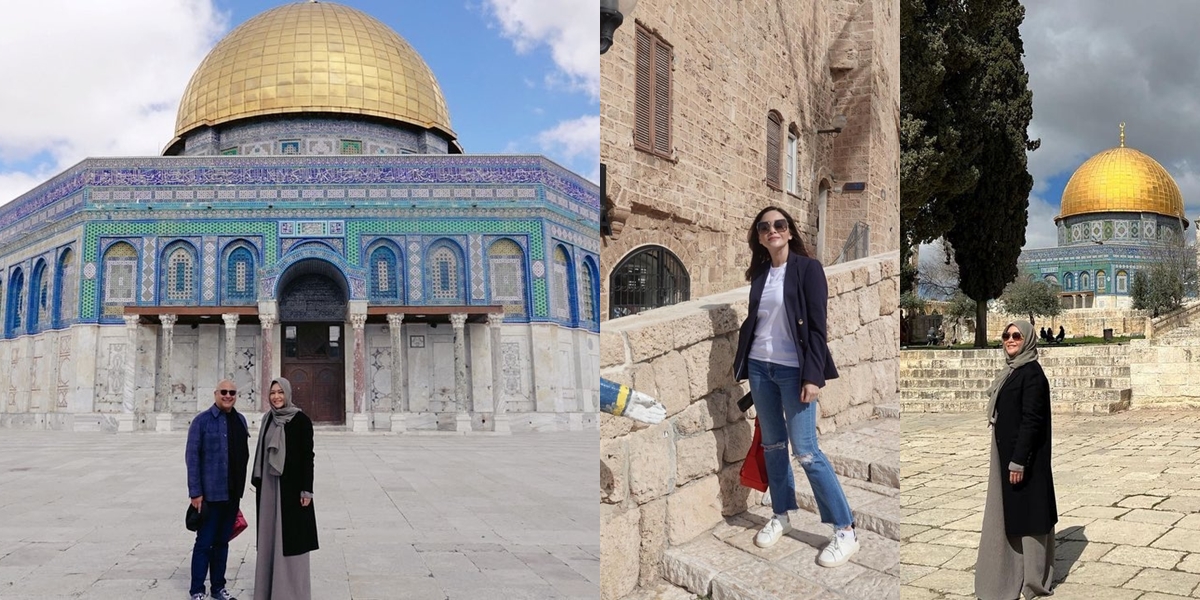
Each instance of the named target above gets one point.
<point>1015,477</point>
<point>305,501</point>
<point>809,392</point>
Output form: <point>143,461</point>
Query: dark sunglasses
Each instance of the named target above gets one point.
<point>1015,336</point>
<point>765,226</point>
<point>228,392</point>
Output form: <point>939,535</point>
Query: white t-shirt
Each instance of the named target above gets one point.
<point>773,339</point>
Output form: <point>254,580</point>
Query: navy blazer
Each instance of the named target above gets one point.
<point>805,296</point>
<point>207,454</point>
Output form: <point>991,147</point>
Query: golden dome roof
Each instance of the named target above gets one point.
<point>313,57</point>
<point>1121,180</point>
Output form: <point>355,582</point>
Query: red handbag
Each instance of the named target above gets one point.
<point>754,468</point>
<point>239,525</point>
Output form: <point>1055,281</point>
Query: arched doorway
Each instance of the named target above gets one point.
<point>313,298</point>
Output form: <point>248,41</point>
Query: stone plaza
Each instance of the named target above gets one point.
<point>100,516</point>
<point>1128,490</point>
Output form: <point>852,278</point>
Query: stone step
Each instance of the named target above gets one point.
<point>724,564</point>
<point>1056,383</point>
<point>888,411</point>
<point>986,374</point>
<point>1056,395</point>
<point>1085,407</point>
<point>868,452</point>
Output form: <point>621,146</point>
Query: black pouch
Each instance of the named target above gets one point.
<point>746,402</point>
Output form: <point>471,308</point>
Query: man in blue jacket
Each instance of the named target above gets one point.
<point>218,450</point>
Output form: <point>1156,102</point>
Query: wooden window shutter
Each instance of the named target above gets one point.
<point>774,128</point>
<point>662,99</point>
<point>642,109</point>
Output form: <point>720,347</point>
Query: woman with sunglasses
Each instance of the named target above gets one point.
<point>283,477</point>
<point>783,351</point>
<point>1016,546</point>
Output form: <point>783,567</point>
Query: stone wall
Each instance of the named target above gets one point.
<point>733,62</point>
<point>1081,322</point>
<point>662,486</point>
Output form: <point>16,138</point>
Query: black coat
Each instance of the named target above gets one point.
<point>299,522</point>
<point>805,296</point>
<point>1023,436</point>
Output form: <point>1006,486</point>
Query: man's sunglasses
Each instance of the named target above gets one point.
<point>1015,336</point>
<point>765,226</point>
<point>228,392</point>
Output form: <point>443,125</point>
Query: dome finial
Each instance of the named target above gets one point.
<point>1122,134</point>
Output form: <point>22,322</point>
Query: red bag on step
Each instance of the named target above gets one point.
<point>754,469</point>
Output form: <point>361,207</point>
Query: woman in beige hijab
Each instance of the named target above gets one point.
<point>1016,546</point>
<point>283,476</point>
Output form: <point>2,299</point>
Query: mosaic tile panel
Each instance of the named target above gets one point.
<point>414,271</point>
<point>477,289</point>
<point>150,254</point>
<point>210,269</point>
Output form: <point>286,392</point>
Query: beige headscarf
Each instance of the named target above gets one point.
<point>1026,355</point>
<point>274,439</point>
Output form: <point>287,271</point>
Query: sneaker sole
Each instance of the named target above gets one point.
<point>786,531</point>
<point>844,560</point>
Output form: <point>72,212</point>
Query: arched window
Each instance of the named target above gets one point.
<point>385,281</point>
<point>239,276</point>
<point>66,289</point>
<point>445,279</point>
<point>39,297</point>
<point>647,278</point>
<point>506,274</point>
<point>560,277</point>
<point>587,292</point>
<point>1122,282</point>
<point>1051,279</point>
<point>179,275</point>
<point>1101,282</point>
<point>1085,281</point>
<point>120,287</point>
<point>16,303</point>
<point>1069,281</point>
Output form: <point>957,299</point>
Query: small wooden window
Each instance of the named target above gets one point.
<point>774,135</point>
<point>652,118</point>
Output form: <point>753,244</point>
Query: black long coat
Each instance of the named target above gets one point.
<point>1023,436</point>
<point>299,522</point>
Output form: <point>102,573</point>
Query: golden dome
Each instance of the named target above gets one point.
<point>313,57</point>
<point>1121,180</point>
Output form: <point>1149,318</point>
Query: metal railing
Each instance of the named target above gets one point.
<point>858,244</point>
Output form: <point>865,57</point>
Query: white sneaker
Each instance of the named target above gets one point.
<point>766,499</point>
<point>771,532</point>
<point>843,545</point>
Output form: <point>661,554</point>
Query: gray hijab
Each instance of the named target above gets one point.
<point>274,442</point>
<point>1026,355</point>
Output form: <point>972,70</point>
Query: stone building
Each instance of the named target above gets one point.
<point>1120,212</point>
<point>315,217</point>
<point>710,114</point>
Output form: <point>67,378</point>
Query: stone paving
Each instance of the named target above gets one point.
<point>1128,490</point>
<point>100,516</point>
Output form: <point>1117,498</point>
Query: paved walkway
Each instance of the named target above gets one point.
<point>100,516</point>
<point>1128,490</point>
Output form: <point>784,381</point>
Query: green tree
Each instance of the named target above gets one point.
<point>961,307</point>
<point>1032,296</point>
<point>1170,279</point>
<point>910,302</point>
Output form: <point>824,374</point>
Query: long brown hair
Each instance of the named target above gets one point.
<point>759,255</point>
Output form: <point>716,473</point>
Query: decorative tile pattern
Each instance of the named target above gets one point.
<point>477,285</point>
<point>149,264</point>
<point>414,271</point>
<point>210,269</point>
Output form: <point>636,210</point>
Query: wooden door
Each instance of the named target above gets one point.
<point>315,364</point>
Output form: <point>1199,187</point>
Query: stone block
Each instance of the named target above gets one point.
<point>843,316</point>
<point>696,457</point>
<point>737,440</point>
<point>695,565</point>
<point>869,305</point>
<point>735,497</point>
<point>693,328</point>
<point>696,418</point>
<point>612,349</point>
<point>671,377</point>
<point>709,365</point>
<point>651,463</point>
<point>619,546</point>
<point>650,340</point>
<point>693,509</point>
<point>653,541</point>
<point>736,392</point>
<point>610,426</point>
<point>614,470</point>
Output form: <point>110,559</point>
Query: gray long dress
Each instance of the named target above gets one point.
<point>1009,566</point>
<point>277,576</point>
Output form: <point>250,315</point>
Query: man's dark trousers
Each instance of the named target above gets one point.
<point>212,544</point>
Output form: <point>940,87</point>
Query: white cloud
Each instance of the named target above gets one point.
<point>1041,231</point>
<point>576,141</point>
<point>565,26</point>
<point>94,79</point>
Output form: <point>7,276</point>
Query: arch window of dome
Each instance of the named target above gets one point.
<point>120,286</point>
<point>39,297</point>
<point>1122,282</point>
<point>587,292</point>
<point>506,274</point>
<point>66,289</point>
<point>649,277</point>
<point>179,280</point>
<point>16,303</point>
<point>560,275</point>
<point>1085,281</point>
<point>239,276</point>
<point>445,280</point>
<point>1101,282</point>
<point>385,283</point>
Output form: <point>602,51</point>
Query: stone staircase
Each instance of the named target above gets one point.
<point>724,563</point>
<point>1083,380</point>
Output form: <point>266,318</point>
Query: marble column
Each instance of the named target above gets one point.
<point>361,422</point>
<point>231,321</point>
<point>266,356</point>
<point>500,422</point>
<point>399,372</point>
<point>125,420</point>
<point>462,418</point>
<point>162,395</point>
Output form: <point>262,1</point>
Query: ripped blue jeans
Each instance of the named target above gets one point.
<point>783,417</point>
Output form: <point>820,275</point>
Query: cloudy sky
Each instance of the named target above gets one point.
<point>91,79</point>
<point>1095,63</point>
